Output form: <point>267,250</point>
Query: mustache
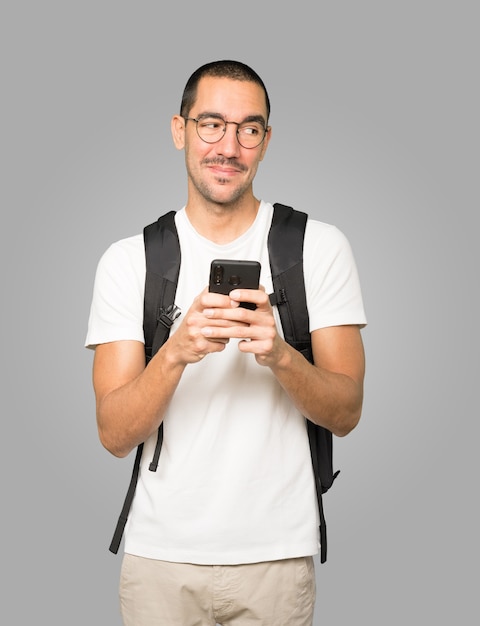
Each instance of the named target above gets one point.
<point>223,162</point>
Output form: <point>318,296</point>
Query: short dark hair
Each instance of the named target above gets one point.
<point>220,69</point>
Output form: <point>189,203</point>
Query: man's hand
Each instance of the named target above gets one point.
<point>207,327</point>
<point>255,328</point>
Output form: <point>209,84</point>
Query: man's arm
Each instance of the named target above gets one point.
<point>132,399</point>
<point>330,392</point>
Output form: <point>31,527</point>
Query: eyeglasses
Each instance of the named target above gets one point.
<point>211,129</point>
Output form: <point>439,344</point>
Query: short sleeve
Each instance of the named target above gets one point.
<point>332,282</point>
<point>116,311</point>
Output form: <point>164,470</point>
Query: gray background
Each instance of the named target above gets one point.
<point>375,118</point>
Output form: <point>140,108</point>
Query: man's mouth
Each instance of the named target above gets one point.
<point>225,167</point>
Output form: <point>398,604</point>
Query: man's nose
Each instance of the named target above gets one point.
<point>228,144</point>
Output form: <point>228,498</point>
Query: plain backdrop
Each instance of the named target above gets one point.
<point>375,129</point>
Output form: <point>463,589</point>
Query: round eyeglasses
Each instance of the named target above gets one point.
<point>211,129</point>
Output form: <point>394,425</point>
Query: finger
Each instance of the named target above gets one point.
<point>244,331</point>
<point>226,318</point>
<point>254,296</point>
<point>209,299</point>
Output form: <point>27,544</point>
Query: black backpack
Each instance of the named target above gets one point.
<point>285,248</point>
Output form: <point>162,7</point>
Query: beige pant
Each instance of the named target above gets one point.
<point>276,593</point>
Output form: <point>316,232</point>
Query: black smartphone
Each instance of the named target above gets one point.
<point>226,275</point>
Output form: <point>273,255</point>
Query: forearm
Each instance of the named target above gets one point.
<point>129,413</point>
<point>327,398</point>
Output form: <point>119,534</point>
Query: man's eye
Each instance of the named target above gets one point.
<point>250,130</point>
<point>211,124</point>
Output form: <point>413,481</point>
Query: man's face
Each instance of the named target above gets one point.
<point>222,172</point>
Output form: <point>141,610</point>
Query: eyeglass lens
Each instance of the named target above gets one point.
<point>212,129</point>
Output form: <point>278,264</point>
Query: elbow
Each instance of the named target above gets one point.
<point>349,413</point>
<point>113,447</point>
<point>110,433</point>
<point>347,418</point>
<point>346,424</point>
<point>111,443</point>
<point>339,424</point>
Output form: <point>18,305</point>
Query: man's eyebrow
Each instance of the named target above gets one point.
<point>246,120</point>
<point>209,114</point>
<point>255,118</point>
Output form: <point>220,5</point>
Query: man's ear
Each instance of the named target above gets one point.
<point>178,131</point>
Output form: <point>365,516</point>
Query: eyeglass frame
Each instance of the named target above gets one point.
<point>238,124</point>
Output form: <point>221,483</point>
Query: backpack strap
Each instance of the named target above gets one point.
<point>285,248</point>
<point>162,254</point>
<point>122,520</point>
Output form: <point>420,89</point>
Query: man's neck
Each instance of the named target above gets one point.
<point>223,223</point>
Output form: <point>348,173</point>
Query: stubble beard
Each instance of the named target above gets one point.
<point>217,197</point>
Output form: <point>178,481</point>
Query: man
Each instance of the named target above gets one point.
<point>226,529</point>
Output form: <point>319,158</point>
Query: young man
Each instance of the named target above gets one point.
<point>225,530</point>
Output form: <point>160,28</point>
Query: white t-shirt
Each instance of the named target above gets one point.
<point>234,482</point>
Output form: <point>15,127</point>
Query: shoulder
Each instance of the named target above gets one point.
<point>130,247</point>
<point>124,253</point>
<point>327,242</point>
<point>122,266</point>
<point>327,234</point>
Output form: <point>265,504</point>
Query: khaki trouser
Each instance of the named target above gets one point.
<point>275,593</point>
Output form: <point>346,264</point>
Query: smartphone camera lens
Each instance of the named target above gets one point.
<point>218,275</point>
